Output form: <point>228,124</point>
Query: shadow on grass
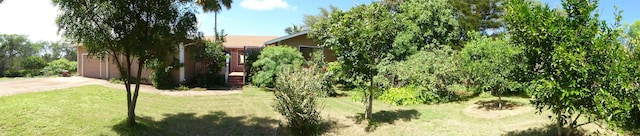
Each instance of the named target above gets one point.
<point>388,117</point>
<point>214,123</point>
<point>494,105</point>
<point>547,130</point>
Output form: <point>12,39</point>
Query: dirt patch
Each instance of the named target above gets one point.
<point>490,109</point>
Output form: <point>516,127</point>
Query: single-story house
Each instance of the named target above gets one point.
<point>106,68</point>
<point>303,44</point>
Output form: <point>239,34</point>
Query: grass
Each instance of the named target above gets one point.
<point>97,110</point>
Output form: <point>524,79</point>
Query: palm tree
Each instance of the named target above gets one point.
<point>214,6</point>
<point>293,29</point>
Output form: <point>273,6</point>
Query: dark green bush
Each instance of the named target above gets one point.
<point>33,63</point>
<point>161,76</point>
<point>296,93</point>
<point>55,67</point>
<point>251,56</point>
<point>273,59</point>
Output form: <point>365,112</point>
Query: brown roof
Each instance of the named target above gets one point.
<point>239,41</point>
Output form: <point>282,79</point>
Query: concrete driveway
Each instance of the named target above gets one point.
<point>12,87</point>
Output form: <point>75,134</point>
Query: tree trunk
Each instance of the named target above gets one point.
<point>134,100</point>
<point>499,102</point>
<point>559,122</point>
<point>131,116</point>
<point>367,112</point>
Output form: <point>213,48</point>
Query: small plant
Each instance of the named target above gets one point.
<point>297,100</point>
<point>115,81</point>
<point>183,88</point>
<point>402,96</point>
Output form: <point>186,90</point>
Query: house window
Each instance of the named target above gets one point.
<point>240,57</point>
<point>306,51</point>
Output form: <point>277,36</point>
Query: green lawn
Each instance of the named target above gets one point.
<point>96,110</point>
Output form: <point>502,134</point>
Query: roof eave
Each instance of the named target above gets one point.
<point>286,37</point>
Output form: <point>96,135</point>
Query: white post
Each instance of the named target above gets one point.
<point>182,61</point>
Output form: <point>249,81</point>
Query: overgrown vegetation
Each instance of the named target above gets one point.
<point>212,58</point>
<point>20,57</point>
<point>272,60</point>
<point>57,66</point>
<point>436,71</point>
<point>575,63</point>
<point>297,95</point>
<point>492,65</point>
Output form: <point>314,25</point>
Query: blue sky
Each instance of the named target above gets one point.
<point>268,19</point>
<point>36,18</point>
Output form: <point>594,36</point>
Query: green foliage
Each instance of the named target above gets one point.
<point>402,96</point>
<point>14,48</point>
<point>575,62</point>
<point>250,57</point>
<point>115,81</point>
<point>213,59</point>
<point>360,94</point>
<point>318,64</point>
<point>297,99</point>
<point>396,34</point>
<point>437,71</point>
<point>492,64</point>
<point>273,59</point>
<point>479,15</point>
<point>161,75</point>
<point>56,66</point>
<point>33,62</point>
<point>128,31</point>
<point>425,25</point>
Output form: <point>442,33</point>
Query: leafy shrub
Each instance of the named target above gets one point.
<point>33,62</point>
<point>250,58</point>
<point>20,73</point>
<point>212,57</point>
<point>402,96</point>
<point>56,66</point>
<point>318,65</point>
<point>273,59</point>
<point>296,99</point>
<point>116,81</point>
<point>161,76</point>
<point>436,71</point>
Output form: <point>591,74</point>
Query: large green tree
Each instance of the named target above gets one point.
<point>484,16</point>
<point>575,62</point>
<point>56,50</point>
<point>492,64</point>
<point>358,37</point>
<point>310,19</point>
<point>369,35</point>
<point>131,32</point>
<point>12,48</point>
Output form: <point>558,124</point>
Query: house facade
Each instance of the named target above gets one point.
<point>303,44</point>
<point>106,68</point>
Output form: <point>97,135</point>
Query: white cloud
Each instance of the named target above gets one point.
<point>35,18</point>
<point>265,4</point>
